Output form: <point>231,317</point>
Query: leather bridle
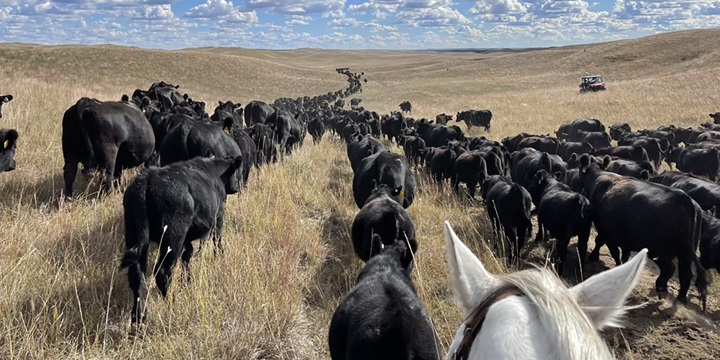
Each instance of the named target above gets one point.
<point>477,317</point>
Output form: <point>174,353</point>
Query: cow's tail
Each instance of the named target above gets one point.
<point>137,227</point>
<point>701,280</point>
<point>82,108</point>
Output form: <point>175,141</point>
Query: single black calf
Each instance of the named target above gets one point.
<point>382,316</point>
<point>380,223</point>
<point>176,204</point>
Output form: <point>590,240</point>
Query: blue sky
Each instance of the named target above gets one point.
<point>346,24</point>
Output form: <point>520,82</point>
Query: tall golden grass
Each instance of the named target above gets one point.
<point>288,259</point>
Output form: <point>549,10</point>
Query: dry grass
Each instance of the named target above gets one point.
<point>288,259</point>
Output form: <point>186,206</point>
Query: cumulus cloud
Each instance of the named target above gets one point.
<point>299,20</point>
<point>154,12</point>
<point>431,16</point>
<point>296,7</point>
<point>222,10</point>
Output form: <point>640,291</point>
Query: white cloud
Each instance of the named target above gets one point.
<point>154,12</point>
<point>222,10</point>
<point>344,22</point>
<point>431,17</point>
<point>299,20</point>
<point>296,7</point>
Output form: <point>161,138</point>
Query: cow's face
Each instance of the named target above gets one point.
<point>232,175</point>
<point>716,117</point>
<point>8,140</point>
<point>4,99</point>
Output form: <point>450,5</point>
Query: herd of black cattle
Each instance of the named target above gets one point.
<point>574,180</point>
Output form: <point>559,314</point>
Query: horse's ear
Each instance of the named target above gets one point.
<point>470,281</point>
<point>602,296</point>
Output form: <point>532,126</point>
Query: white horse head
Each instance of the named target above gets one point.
<point>549,320</point>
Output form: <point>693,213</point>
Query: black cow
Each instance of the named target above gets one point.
<point>443,161</point>
<point>597,139</point>
<point>162,124</point>
<point>362,147</point>
<point>387,168</point>
<point>438,135</point>
<point>705,193</point>
<point>569,130</point>
<point>703,162</point>
<point>316,128</point>
<point>710,242</point>
<point>263,137</point>
<point>442,119</point>
<point>355,103</point>
<point>4,99</point>
<point>523,170</point>
<point>245,142</point>
<point>380,223</point>
<point>511,143</point>
<point>570,147</point>
<point>631,214</point>
<point>561,212</point>
<point>392,126</point>
<point>166,94</point>
<point>176,204</point>
<point>382,316</point>
<point>256,112</point>
<point>288,130</point>
<point>716,117</point>
<point>469,169</point>
<point>540,143</point>
<point>195,139</point>
<point>508,206</point>
<point>109,136</point>
<point>228,110</point>
<point>8,143</point>
<point>413,147</point>
<point>638,169</point>
<point>472,118</point>
<point>617,131</point>
<point>628,152</point>
<point>406,106</point>
<point>652,146</point>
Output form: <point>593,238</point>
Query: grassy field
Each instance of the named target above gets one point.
<point>288,259</point>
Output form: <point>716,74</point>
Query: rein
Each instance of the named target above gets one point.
<point>477,317</point>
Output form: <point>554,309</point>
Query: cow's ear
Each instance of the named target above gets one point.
<point>219,102</point>
<point>557,175</point>
<point>374,184</point>
<point>237,162</point>
<point>10,138</point>
<point>606,161</point>
<point>228,124</point>
<point>7,98</point>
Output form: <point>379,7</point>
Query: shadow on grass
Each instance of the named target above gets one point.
<point>87,302</point>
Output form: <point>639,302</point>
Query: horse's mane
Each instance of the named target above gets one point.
<point>560,313</point>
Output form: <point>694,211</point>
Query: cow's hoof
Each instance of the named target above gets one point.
<point>663,294</point>
<point>137,330</point>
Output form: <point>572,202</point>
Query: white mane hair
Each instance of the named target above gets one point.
<point>550,320</point>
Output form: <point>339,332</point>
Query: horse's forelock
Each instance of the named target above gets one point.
<point>560,314</point>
